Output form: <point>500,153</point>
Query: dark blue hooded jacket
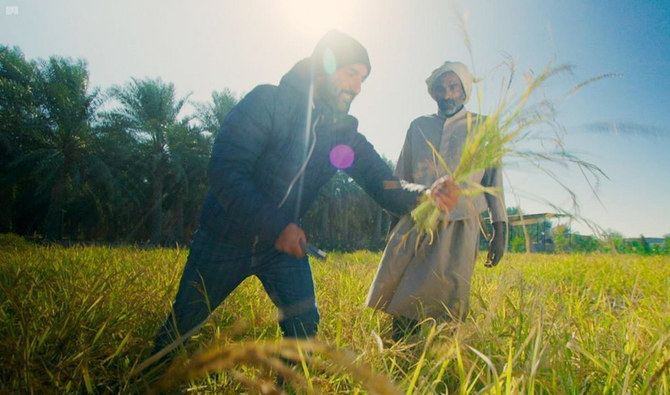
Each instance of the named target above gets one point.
<point>259,151</point>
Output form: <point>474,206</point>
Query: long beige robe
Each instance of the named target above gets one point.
<point>433,280</point>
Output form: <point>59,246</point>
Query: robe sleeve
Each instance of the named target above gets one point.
<point>496,202</point>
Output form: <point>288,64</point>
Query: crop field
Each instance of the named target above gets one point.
<point>81,319</point>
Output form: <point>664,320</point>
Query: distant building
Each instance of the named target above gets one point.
<point>537,233</point>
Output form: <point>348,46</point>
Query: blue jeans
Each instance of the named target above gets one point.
<point>214,269</point>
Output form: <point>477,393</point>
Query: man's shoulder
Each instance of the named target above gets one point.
<point>426,122</point>
<point>261,97</point>
<point>350,122</point>
<point>262,91</point>
<point>427,117</point>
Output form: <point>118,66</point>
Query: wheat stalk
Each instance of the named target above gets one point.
<point>276,357</point>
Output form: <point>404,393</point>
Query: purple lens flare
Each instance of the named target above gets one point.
<point>342,156</point>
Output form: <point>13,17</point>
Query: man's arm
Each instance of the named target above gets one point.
<point>496,202</point>
<point>497,213</point>
<point>496,245</point>
<point>403,170</point>
<point>373,174</point>
<point>395,195</point>
<point>240,141</point>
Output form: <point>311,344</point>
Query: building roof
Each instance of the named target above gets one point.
<point>529,219</point>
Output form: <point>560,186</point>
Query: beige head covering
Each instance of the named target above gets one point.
<point>461,71</point>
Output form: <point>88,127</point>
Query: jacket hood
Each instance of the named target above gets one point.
<point>298,78</point>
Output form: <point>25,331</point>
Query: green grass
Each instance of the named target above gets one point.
<point>79,319</point>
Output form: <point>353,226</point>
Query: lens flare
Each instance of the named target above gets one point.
<point>342,156</point>
<point>329,61</point>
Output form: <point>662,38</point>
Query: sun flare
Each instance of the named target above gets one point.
<point>310,17</point>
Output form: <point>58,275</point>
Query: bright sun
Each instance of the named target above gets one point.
<point>312,17</point>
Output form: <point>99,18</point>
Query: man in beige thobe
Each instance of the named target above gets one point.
<point>433,280</point>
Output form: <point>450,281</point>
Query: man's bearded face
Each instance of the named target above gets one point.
<point>449,107</point>
<point>339,89</point>
<point>448,92</point>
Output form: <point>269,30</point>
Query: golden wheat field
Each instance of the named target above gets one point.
<point>80,319</point>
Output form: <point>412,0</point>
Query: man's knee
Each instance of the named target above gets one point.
<point>302,325</point>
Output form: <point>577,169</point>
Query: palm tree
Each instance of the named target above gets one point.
<point>18,109</point>
<point>148,110</point>
<point>187,177</point>
<point>58,158</point>
<point>190,145</point>
<point>124,203</point>
<point>70,144</point>
<point>211,115</point>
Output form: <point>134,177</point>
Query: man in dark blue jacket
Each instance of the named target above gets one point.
<point>274,150</point>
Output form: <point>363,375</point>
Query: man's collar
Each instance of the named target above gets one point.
<point>457,114</point>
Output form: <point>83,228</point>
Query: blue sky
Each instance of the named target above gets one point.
<point>202,46</point>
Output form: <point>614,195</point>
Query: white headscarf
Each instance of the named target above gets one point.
<point>461,71</point>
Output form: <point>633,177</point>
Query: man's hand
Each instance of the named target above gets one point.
<point>445,193</point>
<point>497,245</point>
<point>289,240</point>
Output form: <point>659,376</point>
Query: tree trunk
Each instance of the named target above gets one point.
<point>157,206</point>
<point>325,221</point>
<point>6,202</point>
<point>54,230</point>
<point>72,228</point>
<point>345,227</point>
<point>179,219</point>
